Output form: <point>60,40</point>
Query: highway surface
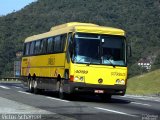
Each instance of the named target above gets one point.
<point>14,99</point>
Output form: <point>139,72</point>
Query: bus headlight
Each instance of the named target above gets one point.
<point>117,81</point>
<point>77,78</point>
<point>120,81</point>
<point>81,78</point>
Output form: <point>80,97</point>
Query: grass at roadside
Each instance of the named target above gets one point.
<point>146,84</point>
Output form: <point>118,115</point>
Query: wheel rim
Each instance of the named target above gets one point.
<point>61,95</point>
<point>35,84</point>
<point>61,90</point>
<point>30,85</point>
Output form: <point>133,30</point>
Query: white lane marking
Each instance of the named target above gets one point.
<point>140,103</point>
<point>4,87</point>
<point>142,98</point>
<point>57,99</point>
<point>115,111</point>
<point>25,92</point>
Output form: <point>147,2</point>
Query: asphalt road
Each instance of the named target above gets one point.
<point>14,99</point>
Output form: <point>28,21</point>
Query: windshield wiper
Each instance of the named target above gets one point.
<point>90,60</point>
<point>111,63</point>
<point>109,60</point>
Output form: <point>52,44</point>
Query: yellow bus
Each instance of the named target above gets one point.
<point>76,58</point>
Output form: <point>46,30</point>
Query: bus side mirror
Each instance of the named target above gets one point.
<point>129,51</point>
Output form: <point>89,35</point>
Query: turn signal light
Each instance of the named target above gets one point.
<point>71,78</point>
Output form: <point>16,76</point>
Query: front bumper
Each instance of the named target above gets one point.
<point>91,88</point>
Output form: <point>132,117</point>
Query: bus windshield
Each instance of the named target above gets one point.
<point>99,49</point>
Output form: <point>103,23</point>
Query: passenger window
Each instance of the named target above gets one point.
<point>50,45</point>
<point>63,42</point>
<point>24,49</point>
<point>32,48</point>
<point>43,46</point>
<point>37,47</point>
<point>57,44</point>
<point>27,46</point>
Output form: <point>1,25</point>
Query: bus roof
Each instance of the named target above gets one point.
<point>72,24</point>
<point>77,27</point>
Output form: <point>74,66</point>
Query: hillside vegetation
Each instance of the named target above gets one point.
<point>147,84</point>
<point>140,19</point>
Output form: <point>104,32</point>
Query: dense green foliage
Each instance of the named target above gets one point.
<point>140,19</point>
<point>156,64</point>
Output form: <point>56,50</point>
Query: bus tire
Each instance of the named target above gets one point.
<point>61,92</point>
<point>30,86</point>
<point>29,83</point>
<point>35,90</point>
<point>60,87</point>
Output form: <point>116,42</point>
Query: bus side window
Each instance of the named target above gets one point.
<point>37,47</point>
<point>57,44</point>
<point>43,46</point>
<point>50,45</point>
<point>63,42</point>
<point>24,49</point>
<point>27,46</point>
<point>32,47</point>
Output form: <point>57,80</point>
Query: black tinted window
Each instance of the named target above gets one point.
<point>57,44</point>
<point>50,45</point>
<point>32,48</point>
<point>26,48</point>
<point>63,41</point>
<point>46,45</point>
<point>37,47</point>
<point>43,46</point>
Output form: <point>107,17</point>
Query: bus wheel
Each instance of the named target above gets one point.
<point>61,92</point>
<point>105,97</point>
<point>35,87</point>
<point>30,86</point>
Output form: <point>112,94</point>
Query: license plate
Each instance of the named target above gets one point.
<point>98,91</point>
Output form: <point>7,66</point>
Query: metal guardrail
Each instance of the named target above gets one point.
<point>10,79</point>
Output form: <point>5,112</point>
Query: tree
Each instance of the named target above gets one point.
<point>156,64</point>
<point>140,20</point>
